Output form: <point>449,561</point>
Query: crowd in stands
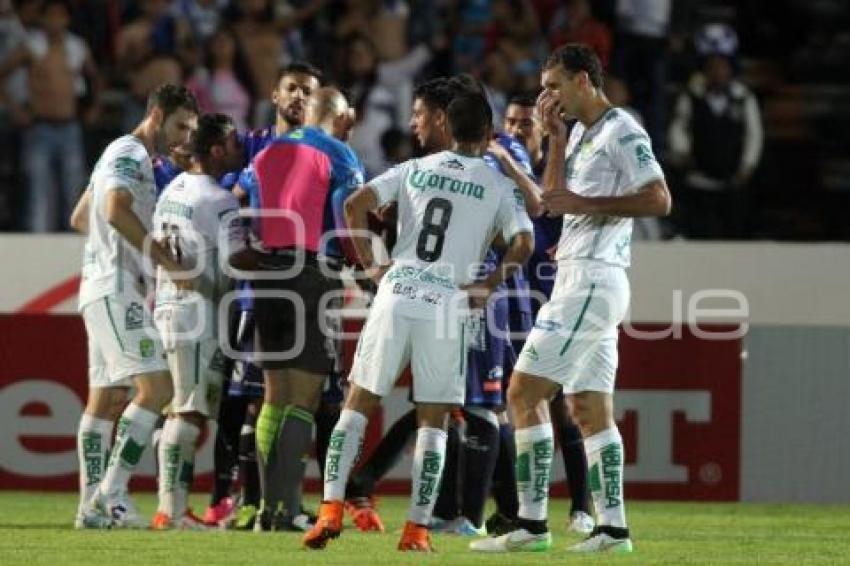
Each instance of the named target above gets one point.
<point>703,76</point>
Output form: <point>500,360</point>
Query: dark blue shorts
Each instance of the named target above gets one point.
<point>333,393</point>
<point>246,379</point>
<point>521,323</point>
<point>491,358</point>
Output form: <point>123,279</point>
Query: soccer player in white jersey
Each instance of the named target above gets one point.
<point>199,222</point>
<point>124,348</point>
<point>451,205</point>
<point>599,178</point>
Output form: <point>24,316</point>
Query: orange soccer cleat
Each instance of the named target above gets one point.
<point>415,538</point>
<point>328,525</point>
<point>161,522</point>
<point>364,514</point>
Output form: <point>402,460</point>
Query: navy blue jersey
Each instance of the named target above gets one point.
<point>164,171</point>
<point>252,143</point>
<point>520,299</point>
<point>541,268</point>
<point>491,355</point>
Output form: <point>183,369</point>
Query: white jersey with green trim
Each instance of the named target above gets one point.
<point>199,221</point>
<point>450,207</point>
<point>111,266</point>
<point>611,158</point>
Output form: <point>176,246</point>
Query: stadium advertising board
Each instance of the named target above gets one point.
<point>678,408</point>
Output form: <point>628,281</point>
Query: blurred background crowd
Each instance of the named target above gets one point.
<point>747,102</point>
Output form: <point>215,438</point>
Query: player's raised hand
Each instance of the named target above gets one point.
<point>548,108</point>
<point>499,152</point>
<point>564,201</point>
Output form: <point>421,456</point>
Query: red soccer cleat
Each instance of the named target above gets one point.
<point>364,514</point>
<point>328,525</point>
<point>415,538</point>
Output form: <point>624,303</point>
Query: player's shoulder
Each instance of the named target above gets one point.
<point>321,140</point>
<point>174,187</point>
<point>421,163</point>
<point>219,197</point>
<point>494,182</point>
<point>127,157</point>
<point>127,146</point>
<point>255,140</point>
<point>622,128</point>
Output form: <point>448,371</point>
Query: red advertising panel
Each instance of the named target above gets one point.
<point>678,407</point>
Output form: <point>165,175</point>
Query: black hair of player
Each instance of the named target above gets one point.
<point>470,117</point>
<point>170,98</point>
<point>526,100</point>
<point>577,57</point>
<point>437,93</point>
<point>213,129</point>
<point>464,82</point>
<point>48,3</point>
<point>302,68</point>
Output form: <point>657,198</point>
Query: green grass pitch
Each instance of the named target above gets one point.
<point>35,528</point>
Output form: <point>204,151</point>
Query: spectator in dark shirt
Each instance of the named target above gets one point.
<point>716,139</point>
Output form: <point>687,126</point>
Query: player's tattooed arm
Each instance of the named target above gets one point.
<point>119,213</point>
<point>79,219</point>
<point>652,199</point>
<point>356,210</point>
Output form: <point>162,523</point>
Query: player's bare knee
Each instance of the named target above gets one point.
<point>117,401</point>
<point>361,400</point>
<point>515,396</point>
<point>102,401</point>
<point>589,411</point>
<point>276,387</point>
<point>307,394</point>
<point>432,415</point>
<point>154,391</point>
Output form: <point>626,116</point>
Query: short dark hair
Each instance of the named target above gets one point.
<point>213,129</point>
<point>170,97</point>
<point>302,68</point>
<point>50,3</point>
<point>469,117</point>
<point>577,57</point>
<point>523,99</point>
<point>465,82</point>
<point>436,93</point>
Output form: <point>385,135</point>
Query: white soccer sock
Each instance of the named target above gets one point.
<point>176,465</point>
<point>428,461</point>
<point>534,447</point>
<point>343,450</point>
<point>94,438</point>
<point>605,462</point>
<point>134,431</point>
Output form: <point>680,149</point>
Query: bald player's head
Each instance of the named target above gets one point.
<point>328,109</point>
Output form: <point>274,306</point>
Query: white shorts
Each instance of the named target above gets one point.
<point>122,342</point>
<point>574,339</point>
<point>197,371</point>
<point>435,349</point>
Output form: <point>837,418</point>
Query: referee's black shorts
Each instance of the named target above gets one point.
<point>297,330</point>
